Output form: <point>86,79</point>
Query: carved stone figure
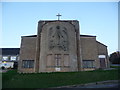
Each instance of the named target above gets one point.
<point>58,38</point>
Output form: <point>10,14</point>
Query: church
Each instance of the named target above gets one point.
<point>59,47</point>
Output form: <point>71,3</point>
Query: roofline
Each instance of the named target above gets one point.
<point>9,51</point>
<point>9,48</point>
<point>80,35</point>
<point>57,20</point>
<point>30,36</point>
<point>100,43</point>
<point>87,36</point>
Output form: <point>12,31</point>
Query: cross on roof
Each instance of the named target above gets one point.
<point>58,16</point>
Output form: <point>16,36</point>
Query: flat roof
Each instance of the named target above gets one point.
<point>10,51</point>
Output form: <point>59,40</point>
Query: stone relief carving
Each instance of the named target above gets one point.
<point>58,38</point>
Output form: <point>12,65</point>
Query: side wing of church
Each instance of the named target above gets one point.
<point>59,47</point>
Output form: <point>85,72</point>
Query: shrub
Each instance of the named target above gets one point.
<point>2,67</point>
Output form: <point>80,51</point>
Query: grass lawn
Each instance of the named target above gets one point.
<point>12,79</point>
<point>115,67</point>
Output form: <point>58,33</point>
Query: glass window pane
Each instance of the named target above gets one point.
<point>5,58</point>
<point>13,58</point>
<point>88,63</point>
<point>28,63</point>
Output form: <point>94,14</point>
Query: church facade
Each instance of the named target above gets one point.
<point>59,47</point>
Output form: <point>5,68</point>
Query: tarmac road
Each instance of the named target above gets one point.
<point>99,86</point>
<point>102,84</point>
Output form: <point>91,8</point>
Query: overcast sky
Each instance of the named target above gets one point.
<point>95,18</point>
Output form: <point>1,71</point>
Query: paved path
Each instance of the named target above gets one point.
<point>102,84</point>
<point>98,86</point>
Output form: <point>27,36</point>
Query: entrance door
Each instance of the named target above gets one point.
<point>102,63</point>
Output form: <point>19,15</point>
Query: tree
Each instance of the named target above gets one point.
<point>115,58</point>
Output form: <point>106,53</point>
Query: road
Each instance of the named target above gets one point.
<point>102,84</point>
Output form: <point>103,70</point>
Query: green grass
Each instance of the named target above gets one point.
<point>12,79</point>
<point>114,66</point>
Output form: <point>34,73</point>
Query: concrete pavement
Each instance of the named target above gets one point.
<point>102,84</point>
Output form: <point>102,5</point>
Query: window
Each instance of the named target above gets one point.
<point>4,58</point>
<point>88,64</point>
<point>13,58</point>
<point>57,59</point>
<point>66,60</point>
<point>28,63</point>
<point>49,60</point>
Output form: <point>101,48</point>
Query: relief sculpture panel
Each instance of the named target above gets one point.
<point>58,38</point>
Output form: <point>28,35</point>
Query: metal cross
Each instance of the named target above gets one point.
<point>58,16</point>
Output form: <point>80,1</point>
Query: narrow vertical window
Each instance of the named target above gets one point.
<point>49,60</point>
<point>57,59</point>
<point>66,60</point>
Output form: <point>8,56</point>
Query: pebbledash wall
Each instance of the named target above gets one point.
<point>59,47</point>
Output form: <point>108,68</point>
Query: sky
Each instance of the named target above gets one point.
<point>95,18</point>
